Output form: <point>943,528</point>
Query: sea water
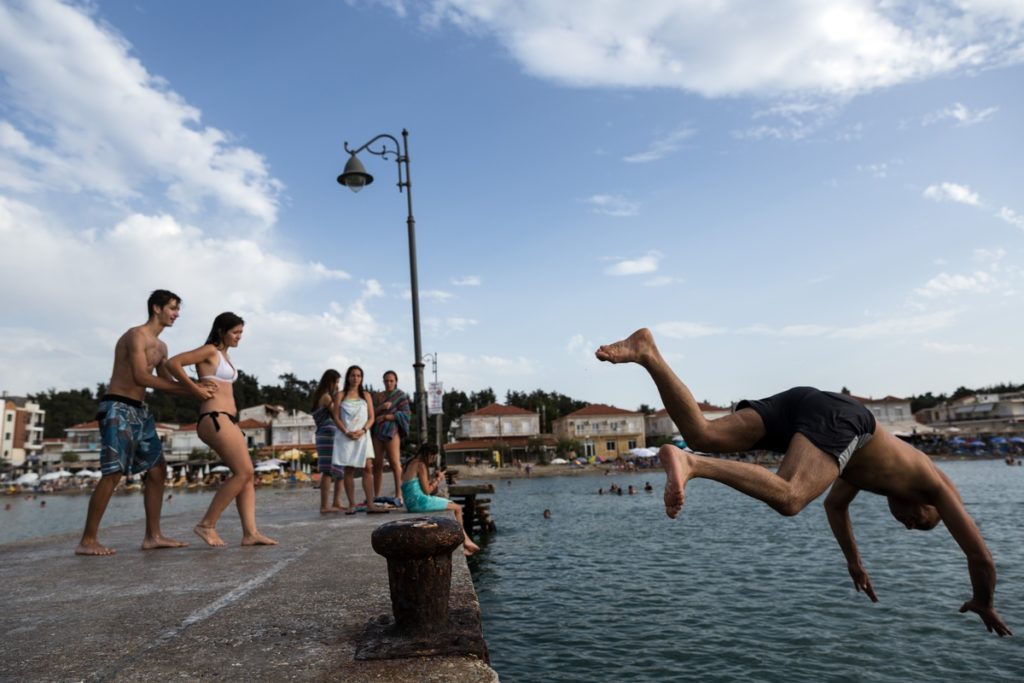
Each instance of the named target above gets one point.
<point>610,589</point>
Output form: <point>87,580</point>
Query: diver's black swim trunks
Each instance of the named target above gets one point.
<point>835,423</point>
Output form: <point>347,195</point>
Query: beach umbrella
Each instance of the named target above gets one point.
<point>273,461</point>
<point>220,468</point>
<point>1017,439</point>
<point>559,461</point>
<point>27,478</point>
<point>266,467</point>
<point>998,439</point>
<point>88,473</point>
<point>293,454</point>
<point>51,476</point>
<point>976,443</point>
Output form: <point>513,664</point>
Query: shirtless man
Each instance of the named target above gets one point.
<point>128,440</point>
<point>826,439</point>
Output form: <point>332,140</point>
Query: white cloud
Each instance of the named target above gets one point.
<point>788,330</point>
<point>662,281</point>
<point>647,263</point>
<point>95,120</point>
<point>951,192</point>
<point>945,347</point>
<point>687,330</point>
<point>1011,217</point>
<point>612,205</point>
<point>945,284</point>
<point>662,147</point>
<point>81,283</point>
<point>466,281</point>
<point>960,114</point>
<point>841,47</point>
<point>897,327</point>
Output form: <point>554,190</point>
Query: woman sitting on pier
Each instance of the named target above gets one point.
<point>417,487</point>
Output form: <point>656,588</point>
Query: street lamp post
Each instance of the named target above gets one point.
<point>355,178</point>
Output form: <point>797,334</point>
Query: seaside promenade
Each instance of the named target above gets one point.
<point>292,612</point>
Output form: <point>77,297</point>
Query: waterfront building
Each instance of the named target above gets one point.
<point>978,414</point>
<point>493,429</point>
<point>21,431</point>
<point>605,431</point>
<point>659,427</point>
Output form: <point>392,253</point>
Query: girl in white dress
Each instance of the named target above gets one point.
<point>353,409</point>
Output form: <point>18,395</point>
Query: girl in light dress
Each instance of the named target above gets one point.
<point>353,413</point>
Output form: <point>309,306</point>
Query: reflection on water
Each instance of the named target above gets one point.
<point>611,589</point>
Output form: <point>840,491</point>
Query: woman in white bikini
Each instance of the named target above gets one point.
<point>218,428</point>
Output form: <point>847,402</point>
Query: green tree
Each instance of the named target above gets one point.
<point>247,391</point>
<point>69,457</point>
<point>65,409</point>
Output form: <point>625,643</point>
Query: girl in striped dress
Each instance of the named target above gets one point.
<point>323,416</point>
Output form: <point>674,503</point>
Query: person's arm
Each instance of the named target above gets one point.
<point>175,365</point>
<point>980,566</point>
<point>369,416</point>
<point>429,487</point>
<point>837,507</point>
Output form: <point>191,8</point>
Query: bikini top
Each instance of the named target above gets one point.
<point>225,371</point>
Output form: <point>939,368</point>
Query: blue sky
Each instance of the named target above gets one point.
<point>822,193</point>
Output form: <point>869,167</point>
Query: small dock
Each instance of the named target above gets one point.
<point>476,511</point>
<point>297,611</point>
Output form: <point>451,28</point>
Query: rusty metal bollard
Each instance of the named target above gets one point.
<point>419,554</point>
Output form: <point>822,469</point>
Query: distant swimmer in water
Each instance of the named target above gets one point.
<point>648,487</point>
<point>547,514</point>
<point>826,438</point>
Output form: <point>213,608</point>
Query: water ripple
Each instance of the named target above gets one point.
<point>610,589</point>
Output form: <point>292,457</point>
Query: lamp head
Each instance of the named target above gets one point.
<point>354,177</point>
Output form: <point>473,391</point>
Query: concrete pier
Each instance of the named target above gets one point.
<point>292,612</point>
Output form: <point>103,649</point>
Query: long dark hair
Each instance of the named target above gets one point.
<point>327,380</point>
<point>221,324</point>
<point>362,391</point>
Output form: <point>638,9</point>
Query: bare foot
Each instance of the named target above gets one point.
<point>468,547</point>
<point>635,348</point>
<point>208,534</point>
<point>93,548</point>
<point>677,473</point>
<point>328,511</point>
<point>351,510</point>
<point>257,539</point>
<point>158,542</point>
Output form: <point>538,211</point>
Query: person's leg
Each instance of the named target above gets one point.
<point>378,467</point>
<point>729,434</point>
<point>153,500</point>
<point>325,492</point>
<point>804,474</point>
<point>338,485</point>
<point>90,544</point>
<point>394,453</point>
<point>468,546</point>
<point>229,443</point>
<point>368,486</point>
<point>350,488</point>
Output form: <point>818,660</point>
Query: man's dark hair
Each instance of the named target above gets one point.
<point>160,298</point>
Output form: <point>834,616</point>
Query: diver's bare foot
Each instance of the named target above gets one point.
<point>257,539</point>
<point>93,548</point>
<point>636,348</point>
<point>158,542</point>
<point>469,548</point>
<point>677,472</point>
<point>208,534</point>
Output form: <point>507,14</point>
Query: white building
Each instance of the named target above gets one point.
<point>659,426</point>
<point>498,421</point>
<point>21,430</point>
